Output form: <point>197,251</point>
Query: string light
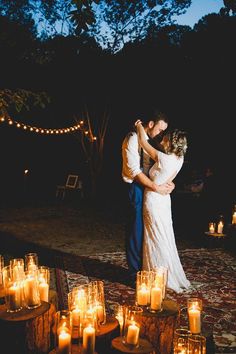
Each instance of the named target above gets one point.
<point>46,131</point>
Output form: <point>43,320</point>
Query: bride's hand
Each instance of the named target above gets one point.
<point>137,123</point>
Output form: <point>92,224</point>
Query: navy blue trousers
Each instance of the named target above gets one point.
<point>134,227</point>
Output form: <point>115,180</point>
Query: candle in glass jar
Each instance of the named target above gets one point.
<point>220,227</point>
<point>14,296</point>
<point>194,315</point>
<point>89,340</point>
<point>156,298</point>
<point>31,290</point>
<point>211,228</point>
<point>64,343</point>
<point>132,334</point>
<point>75,322</point>
<point>100,313</point>
<point>43,291</point>
<point>234,218</point>
<point>143,295</point>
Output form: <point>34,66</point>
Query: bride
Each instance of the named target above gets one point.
<point>159,247</point>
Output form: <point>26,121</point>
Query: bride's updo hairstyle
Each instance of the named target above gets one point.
<point>176,142</point>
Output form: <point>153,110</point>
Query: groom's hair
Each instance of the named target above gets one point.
<point>155,115</point>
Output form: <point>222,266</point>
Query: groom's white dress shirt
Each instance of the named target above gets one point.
<point>131,157</point>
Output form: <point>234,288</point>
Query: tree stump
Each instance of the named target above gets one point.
<point>159,327</point>
<point>144,347</point>
<point>107,332</point>
<point>27,331</point>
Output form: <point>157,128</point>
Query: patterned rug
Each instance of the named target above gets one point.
<point>210,271</point>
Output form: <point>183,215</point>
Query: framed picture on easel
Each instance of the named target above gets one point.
<point>72,181</point>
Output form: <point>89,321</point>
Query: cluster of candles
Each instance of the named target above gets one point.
<point>24,282</point>
<point>151,288</point>
<point>190,340</point>
<point>219,227</point>
<point>83,320</point>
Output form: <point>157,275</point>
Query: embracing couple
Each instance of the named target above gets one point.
<point>149,172</point>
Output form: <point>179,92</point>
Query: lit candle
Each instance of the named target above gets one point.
<point>32,267</point>
<point>64,343</point>
<point>132,334</point>
<point>156,298</point>
<point>14,297</point>
<point>211,228</point>
<point>234,218</point>
<point>194,320</point>
<point>18,272</point>
<point>143,295</point>
<point>89,340</point>
<point>100,313</point>
<point>75,322</point>
<point>31,291</point>
<point>43,291</point>
<point>220,227</point>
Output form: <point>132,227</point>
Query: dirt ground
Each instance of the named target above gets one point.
<point>79,231</point>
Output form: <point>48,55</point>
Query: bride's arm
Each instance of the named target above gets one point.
<point>143,141</point>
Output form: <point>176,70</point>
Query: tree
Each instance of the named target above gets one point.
<point>93,145</point>
<point>119,21</point>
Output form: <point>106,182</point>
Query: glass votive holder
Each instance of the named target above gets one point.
<point>119,313</point>
<point>31,262</point>
<point>132,326</point>
<point>18,268</point>
<point>97,299</point>
<point>180,340</point>
<point>194,308</point>
<point>31,290</point>
<point>44,281</point>
<point>196,344</point>
<point>13,291</point>
<point>1,268</point>
<point>76,315</point>
<point>143,287</point>
<point>212,227</point>
<point>158,288</point>
<point>63,332</point>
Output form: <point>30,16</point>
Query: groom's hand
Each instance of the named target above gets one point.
<point>165,188</point>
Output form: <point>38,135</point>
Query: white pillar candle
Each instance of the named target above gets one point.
<point>75,322</point>
<point>211,228</point>
<point>14,297</point>
<point>132,334</point>
<point>234,218</point>
<point>31,291</point>
<point>156,298</point>
<point>18,272</point>
<point>89,340</point>
<point>194,315</point>
<point>143,295</point>
<point>100,313</point>
<point>43,291</point>
<point>220,227</point>
<point>64,343</point>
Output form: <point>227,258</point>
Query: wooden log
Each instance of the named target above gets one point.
<point>144,347</point>
<point>27,331</point>
<point>75,349</point>
<point>158,328</point>
<point>106,333</point>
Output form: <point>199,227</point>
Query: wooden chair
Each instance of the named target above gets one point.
<point>73,183</point>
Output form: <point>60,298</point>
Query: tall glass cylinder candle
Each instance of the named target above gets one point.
<point>63,332</point>
<point>212,227</point>
<point>44,281</point>
<point>196,344</point>
<point>31,261</point>
<point>119,313</point>
<point>194,307</point>
<point>75,316</point>
<point>132,326</point>
<point>1,268</point>
<point>180,341</point>
<point>143,287</point>
<point>13,291</point>
<point>31,290</point>
<point>97,299</point>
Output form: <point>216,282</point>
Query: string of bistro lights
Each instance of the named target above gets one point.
<point>59,131</point>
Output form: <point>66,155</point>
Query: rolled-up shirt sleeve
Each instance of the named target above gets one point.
<point>131,158</point>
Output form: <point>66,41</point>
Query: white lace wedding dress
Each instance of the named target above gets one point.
<point>159,247</point>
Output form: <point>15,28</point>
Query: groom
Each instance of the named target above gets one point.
<point>135,168</point>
